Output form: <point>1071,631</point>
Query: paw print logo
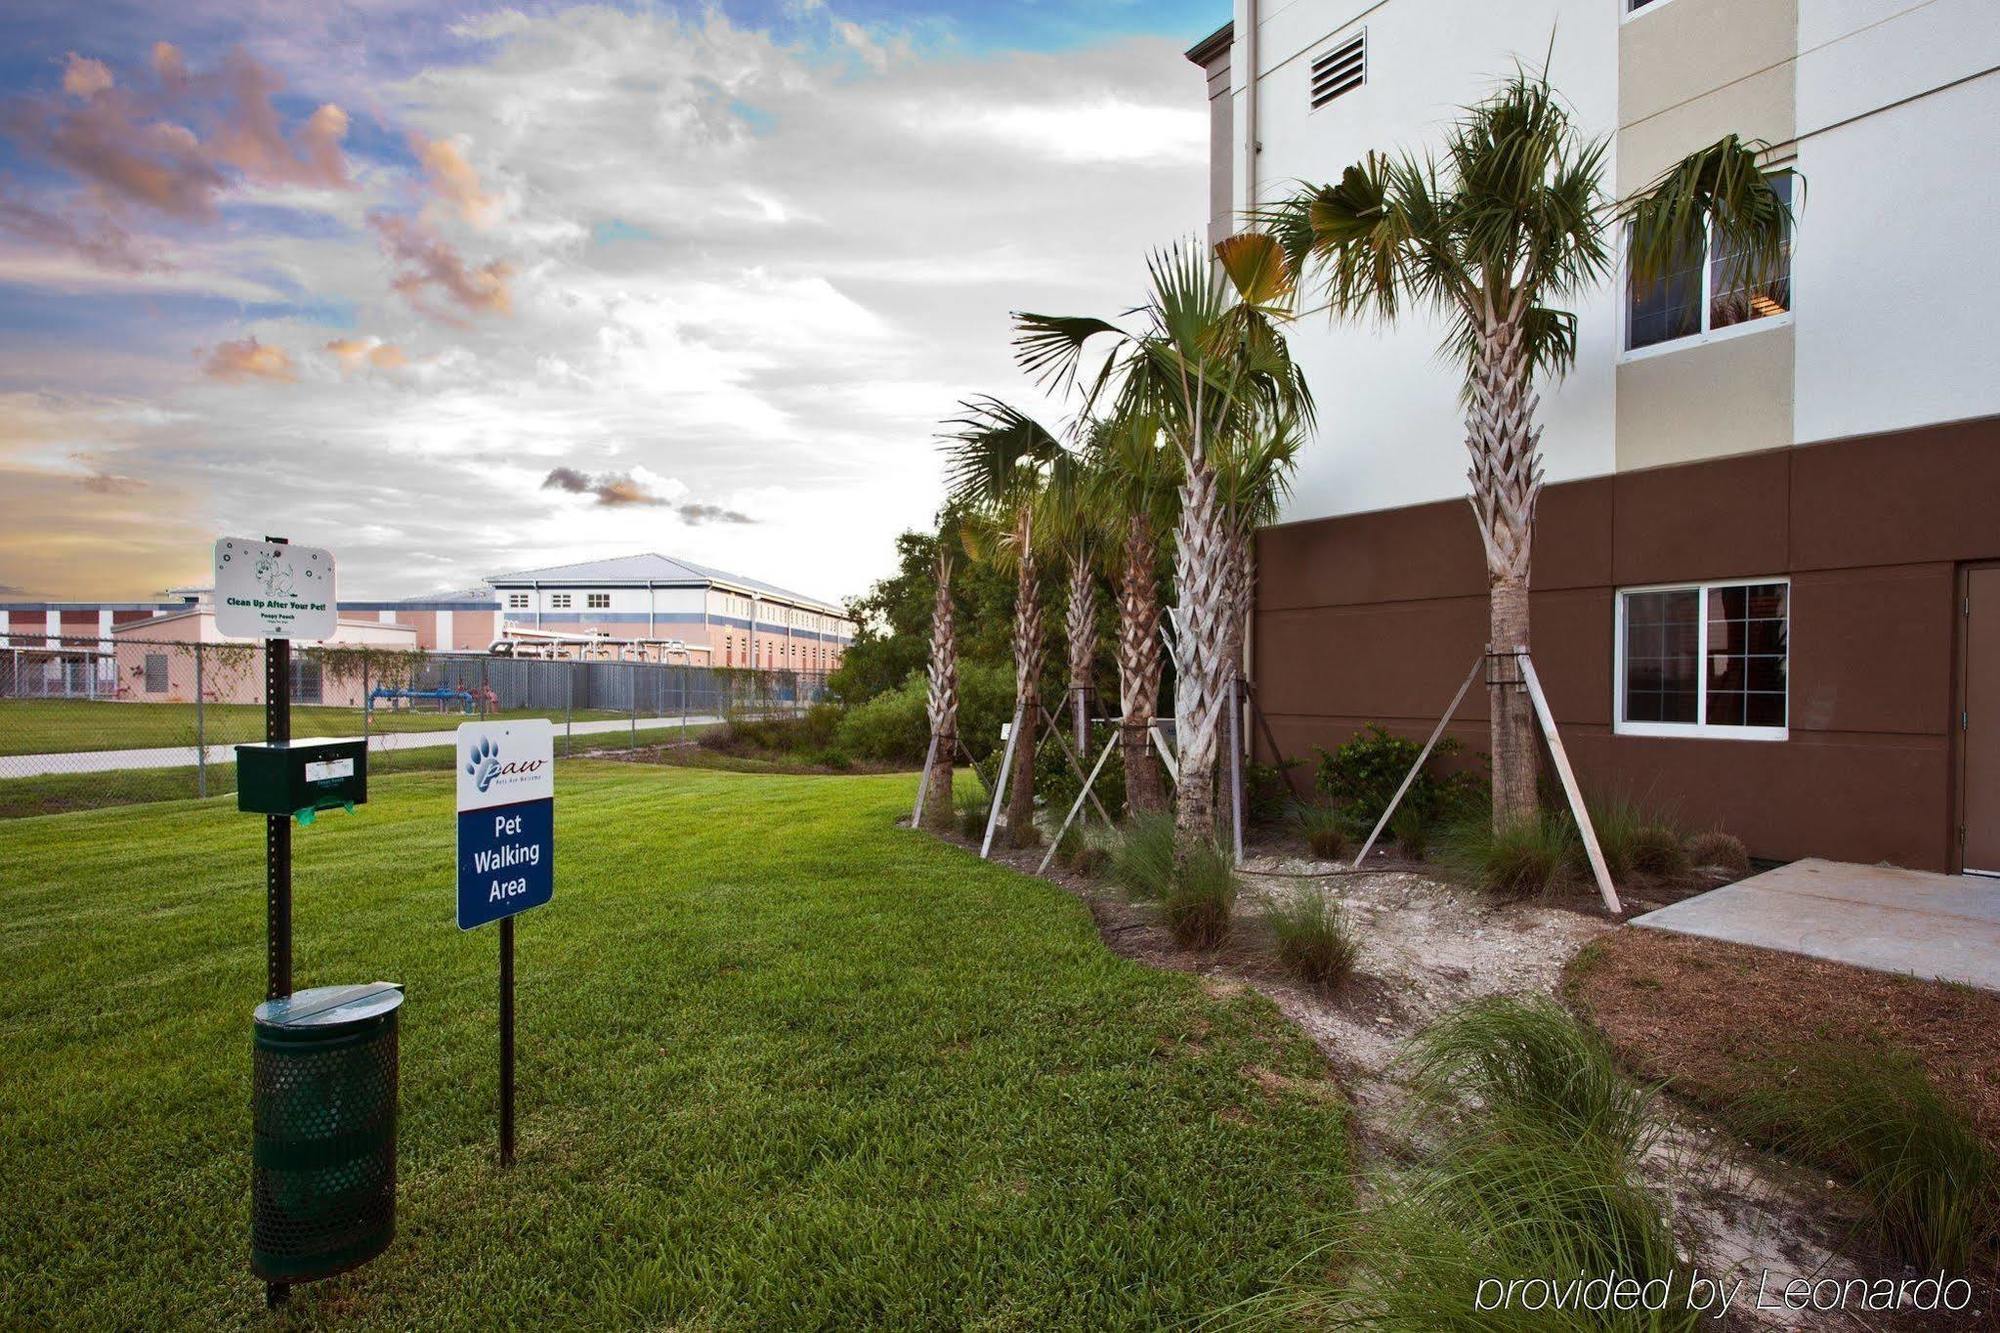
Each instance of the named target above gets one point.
<point>485,765</point>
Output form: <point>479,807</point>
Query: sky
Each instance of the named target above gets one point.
<point>459,289</point>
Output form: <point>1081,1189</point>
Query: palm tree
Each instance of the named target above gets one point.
<point>1209,364</point>
<point>1256,476</point>
<point>996,465</point>
<point>941,701</point>
<point>1072,525</point>
<point>1135,488</point>
<point>1496,236</point>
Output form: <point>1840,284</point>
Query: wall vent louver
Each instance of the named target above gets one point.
<point>1341,70</point>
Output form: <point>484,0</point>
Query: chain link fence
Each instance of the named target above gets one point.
<point>111,722</point>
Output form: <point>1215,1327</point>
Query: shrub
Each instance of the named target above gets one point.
<point>1142,860</point>
<point>1363,774</point>
<point>1534,855</point>
<point>1723,851</point>
<point>894,727</point>
<point>1200,896</point>
<point>1268,792</point>
<point>1411,828</point>
<point>1323,826</point>
<point>1314,941</point>
<point>805,734</point>
<point>1931,1182</point>
<point>1056,783</point>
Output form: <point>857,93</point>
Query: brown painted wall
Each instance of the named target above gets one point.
<point>1377,617</point>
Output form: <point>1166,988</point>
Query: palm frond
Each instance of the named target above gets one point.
<point>995,455</point>
<point>1722,190</point>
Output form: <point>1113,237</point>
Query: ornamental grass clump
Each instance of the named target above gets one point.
<point>1323,826</point>
<point>1200,897</point>
<point>1523,858</point>
<point>1532,1192</point>
<point>1632,838</point>
<point>1315,941</point>
<point>1716,850</point>
<point>1142,859</point>
<point>1533,1058</point>
<point>1874,1117</point>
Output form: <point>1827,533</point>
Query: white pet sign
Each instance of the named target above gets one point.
<point>273,590</point>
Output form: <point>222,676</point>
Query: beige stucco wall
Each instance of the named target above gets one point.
<point>1691,71</point>
<point>1705,400</point>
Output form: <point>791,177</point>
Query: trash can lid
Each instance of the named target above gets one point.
<point>329,1006</point>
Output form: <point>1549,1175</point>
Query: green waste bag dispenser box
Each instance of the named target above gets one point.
<point>303,776</point>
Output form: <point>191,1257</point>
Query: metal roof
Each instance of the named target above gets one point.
<point>459,595</point>
<point>656,569</point>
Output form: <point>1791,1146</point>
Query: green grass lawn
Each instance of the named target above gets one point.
<point>64,726</point>
<point>782,1065</point>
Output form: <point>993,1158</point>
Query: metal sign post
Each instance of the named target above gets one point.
<point>506,853</point>
<point>274,591</point>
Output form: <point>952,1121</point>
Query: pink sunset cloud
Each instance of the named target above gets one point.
<point>357,354</point>
<point>425,259</point>
<point>452,179</point>
<point>246,359</point>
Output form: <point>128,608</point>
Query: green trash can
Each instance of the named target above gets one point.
<point>323,1181</point>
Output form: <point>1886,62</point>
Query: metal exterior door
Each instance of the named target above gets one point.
<point>1981,720</point>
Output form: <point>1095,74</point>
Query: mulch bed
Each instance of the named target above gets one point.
<point>1703,1016</point>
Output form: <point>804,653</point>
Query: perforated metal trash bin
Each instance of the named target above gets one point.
<point>323,1190</point>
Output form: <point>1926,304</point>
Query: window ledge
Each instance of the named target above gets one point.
<point>1743,330</point>
<point>1696,731</point>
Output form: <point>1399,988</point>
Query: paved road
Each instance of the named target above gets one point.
<point>183,756</point>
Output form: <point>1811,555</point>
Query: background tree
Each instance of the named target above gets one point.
<point>1134,485</point>
<point>1508,224</point>
<point>893,623</point>
<point>1209,363</point>
<point>997,466</point>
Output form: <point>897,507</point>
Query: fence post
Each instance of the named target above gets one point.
<point>635,707</point>
<point>569,708</point>
<point>200,730</point>
<point>485,685</point>
<point>367,704</point>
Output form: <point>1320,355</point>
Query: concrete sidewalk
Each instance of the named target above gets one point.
<point>1910,921</point>
<point>183,756</point>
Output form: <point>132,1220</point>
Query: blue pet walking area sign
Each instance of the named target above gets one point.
<point>506,819</point>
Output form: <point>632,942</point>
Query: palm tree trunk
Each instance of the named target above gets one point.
<point>1506,477</point>
<point>1139,668</point>
<point>1027,673</point>
<point>1241,583</point>
<point>1081,624</point>
<point>943,697</point>
<point>1202,574</point>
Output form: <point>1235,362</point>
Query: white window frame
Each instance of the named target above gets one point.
<point>517,601</point>
<point>591,601</point>
<point>1707,335</point>
<point>1630,13</point>
<point>559,601</point>
<point>1701,729</point>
